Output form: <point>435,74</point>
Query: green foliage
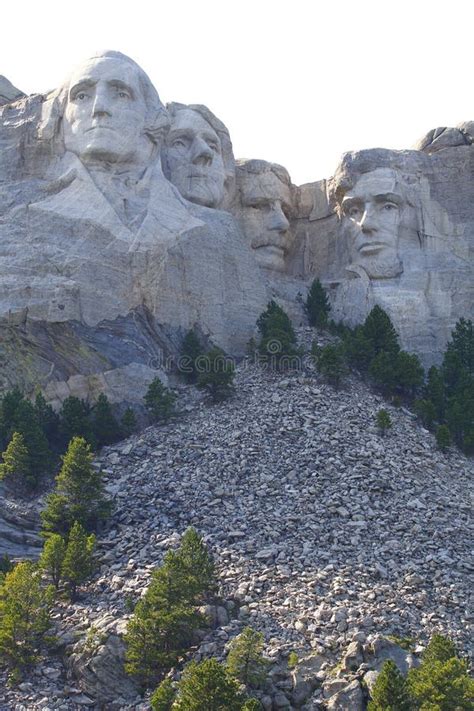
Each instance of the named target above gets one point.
<point>441,682</point>
<point>74,421</point>
<point>24,617</point>
<point>128,422</point>
<point>104,425</point>
<point>5,564</point>
<point>380,332</point>
<point>48,420</point>
<point>159,401</point>
<point>52,558</point>
<point>390,691</point>
<point>383,372</point>
<point>277,344</point>
<point>426,411</point>
<point>163,696</point>
<point>443,437</point>
<point>78,564</point>
<point>384,421</point>
<point>252,705</point>
<point>165,618</point>
<point>79,494</point>
<point>191,350</point>
<point>217,374</point>
<point>207,687</point>
<point>292,660</point>
<point>410,374</point>
<point>16,467</point>
<point>435,392</point>
<point>245,660</point>
<point>317,305</point>
<point>330,362</point>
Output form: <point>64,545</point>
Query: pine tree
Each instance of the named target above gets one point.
<point>9,405</point>
<point>78,495</point>
<point>207,687</point>
<point>317,305</point>
<point>74,421</point>
<point>128,422</point>
<point>382,371</point>
<point>435,392</point>
<point>390,692</point>
<point>384,421</point>
<point>277,345</point>
<point>409,372</point>
<point>16,466</point>
<point>24,617</point>
<point>105,427</point>
<point>379,330</point>
<point>441,682</point>
<point>426,411</point>
<point>163,696</point>
<point>191,350</point>
<point>159,401</point>
<point>330,362</point>
<point>359,349</point>
<point>218,375</point>
<point>165,618</point>
<point>245,660</point>
<point>52,558</point>
<point>35,440</point>
<point>78,563</point>
<point>48,420</point>
<point>443,437</point>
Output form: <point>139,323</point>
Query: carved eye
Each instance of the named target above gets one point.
<point>123,95</point>
<point>81,96</point>
<point>214,147</point>
<point>389,206</point>
<point>354,212</point>
<point>178,143</point>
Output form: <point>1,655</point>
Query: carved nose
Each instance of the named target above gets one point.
<point>277,219</point>
<point>101,105</point>
<point>202,153</point>
<point>368,223</point>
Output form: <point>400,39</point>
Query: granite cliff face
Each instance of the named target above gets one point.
<point>124,223</point>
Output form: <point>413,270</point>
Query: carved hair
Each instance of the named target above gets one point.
<point>259,167</point>
<point>156,119</point>
<point>354,165</point>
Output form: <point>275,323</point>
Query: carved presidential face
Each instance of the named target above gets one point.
<point>372,211</point>
<point>266,207</point>
<point>104,118</point>
<point>192,159</point>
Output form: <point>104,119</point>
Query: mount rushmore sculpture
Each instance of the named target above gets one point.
<point>125,222</point>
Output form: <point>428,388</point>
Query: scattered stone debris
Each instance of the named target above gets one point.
<point>326,537</point>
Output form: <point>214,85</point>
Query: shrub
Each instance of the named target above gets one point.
<point>292,660</point>
<point>159,401</point>
<point>426,412</point>
<point>317,305</point>
<point>390,691</point>
<point>78,564</point>
<point>24,617</point>
<point>207,687</point>
<point>384,421</point>
<point>217,377</point>
<point>277,344</point>
<point>191,349</point>
<point>245,660</point>
<point>79,493</point>
<point>330,362</point>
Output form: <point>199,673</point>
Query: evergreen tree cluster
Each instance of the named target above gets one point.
<point>165,618</point>
<point>440,683</point>
<point>69,560</point>
<point>447,402</point>
<point>212,686</point>
<point>210,370</point>
<point>32,435</point>
<point>277,346</point>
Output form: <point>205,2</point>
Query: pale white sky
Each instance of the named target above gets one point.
<point>297,82</point>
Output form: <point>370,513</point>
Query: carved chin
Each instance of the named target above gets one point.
<point>270,257</point>
<point>381,268</point>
